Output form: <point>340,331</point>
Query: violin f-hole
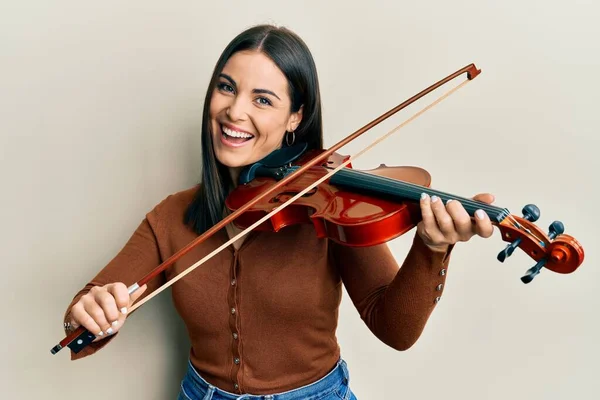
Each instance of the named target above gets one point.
<point>276,199</point>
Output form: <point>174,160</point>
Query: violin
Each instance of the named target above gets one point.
<point>357,207</point>
<point>365,208</point>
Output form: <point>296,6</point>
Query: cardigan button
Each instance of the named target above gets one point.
<point>233,310</point>
<point>439,287</point>
<point>236,360</point>
<point>437,299</point>
<point>235,335</point>
<point>443,272</point>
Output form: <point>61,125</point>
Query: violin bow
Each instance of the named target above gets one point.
<point>81,337</point>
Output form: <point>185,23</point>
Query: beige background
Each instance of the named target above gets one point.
<point>100,116</point>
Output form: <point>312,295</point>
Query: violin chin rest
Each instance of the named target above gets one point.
<point>284,155</point>
<point>276,159</point>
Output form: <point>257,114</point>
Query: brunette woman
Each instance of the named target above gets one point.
<point>262,315</point>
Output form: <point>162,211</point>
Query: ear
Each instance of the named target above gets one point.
<point>295,120</point>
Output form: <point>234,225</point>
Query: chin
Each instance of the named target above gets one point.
<point>230,160</point>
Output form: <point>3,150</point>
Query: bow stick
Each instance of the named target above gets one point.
<point>81,337</point>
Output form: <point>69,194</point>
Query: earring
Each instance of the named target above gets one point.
<point>287,138</point>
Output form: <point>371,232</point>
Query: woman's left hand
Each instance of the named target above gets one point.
<point>446,224</point>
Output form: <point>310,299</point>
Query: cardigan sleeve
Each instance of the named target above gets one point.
<point>139,256</point>
<point>395,302</point>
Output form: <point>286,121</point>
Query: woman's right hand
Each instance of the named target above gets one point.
<point>103,310</point>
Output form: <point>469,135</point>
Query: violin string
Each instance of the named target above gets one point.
<point>292,199</point>
<point>413,191</point>
<point>517,225</point>
<point>473,204</point>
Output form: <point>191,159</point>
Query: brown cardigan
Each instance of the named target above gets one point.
<point>263,319</point>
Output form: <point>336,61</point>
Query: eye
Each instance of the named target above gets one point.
<point>225,87</point>
<point>264,101</point>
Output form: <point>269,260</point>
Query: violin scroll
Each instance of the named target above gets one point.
<point>556,251</point>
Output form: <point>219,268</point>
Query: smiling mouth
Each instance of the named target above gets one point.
<point>234,138</point>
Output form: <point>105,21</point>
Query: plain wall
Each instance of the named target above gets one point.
<point>100,108</point>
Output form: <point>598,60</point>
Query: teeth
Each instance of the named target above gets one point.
<point>236,134</point>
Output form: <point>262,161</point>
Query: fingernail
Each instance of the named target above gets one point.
<point>449,200</point>
<point>423,196</point>
<point>479,214</point>
<point>124,310</point>
<point>434,199</point>
<point>101,333</point>
<point>115,323</point>
<point>109,331</point>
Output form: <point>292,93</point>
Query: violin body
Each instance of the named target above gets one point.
<point>348,217</point>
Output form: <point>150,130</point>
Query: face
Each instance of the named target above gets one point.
<point>250,110</point>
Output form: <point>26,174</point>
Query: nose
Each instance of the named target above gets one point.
<point>236,110</point>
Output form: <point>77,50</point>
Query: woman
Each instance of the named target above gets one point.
<point>262,314</point>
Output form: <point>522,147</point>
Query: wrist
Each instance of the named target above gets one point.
<point>442,248</point>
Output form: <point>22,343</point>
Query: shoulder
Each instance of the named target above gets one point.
<point>171,209</point>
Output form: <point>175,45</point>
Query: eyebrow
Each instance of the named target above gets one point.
<point>263,91</point>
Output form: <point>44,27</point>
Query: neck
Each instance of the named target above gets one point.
<point>399,190</point>
<point>234,173</point>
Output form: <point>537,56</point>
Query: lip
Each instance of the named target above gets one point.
<point>226,142</point>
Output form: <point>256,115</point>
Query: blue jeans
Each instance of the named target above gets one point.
<point>333,386</point>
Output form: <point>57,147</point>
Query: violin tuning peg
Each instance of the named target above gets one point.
<point>507,252</point>
<point>556,228</point>
<point>533,271</point>
<point>531,212</point>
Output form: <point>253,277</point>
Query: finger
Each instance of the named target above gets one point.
<point>443,219</point>
<point>461,218</point>
<point>116,324</point>
<point>429,223</point>
<point>121,295</point>
<point>106,301</point>
<point>483,225</point>
<point>81,317</point>
<point>485,198</point>
<point>97,313</point>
